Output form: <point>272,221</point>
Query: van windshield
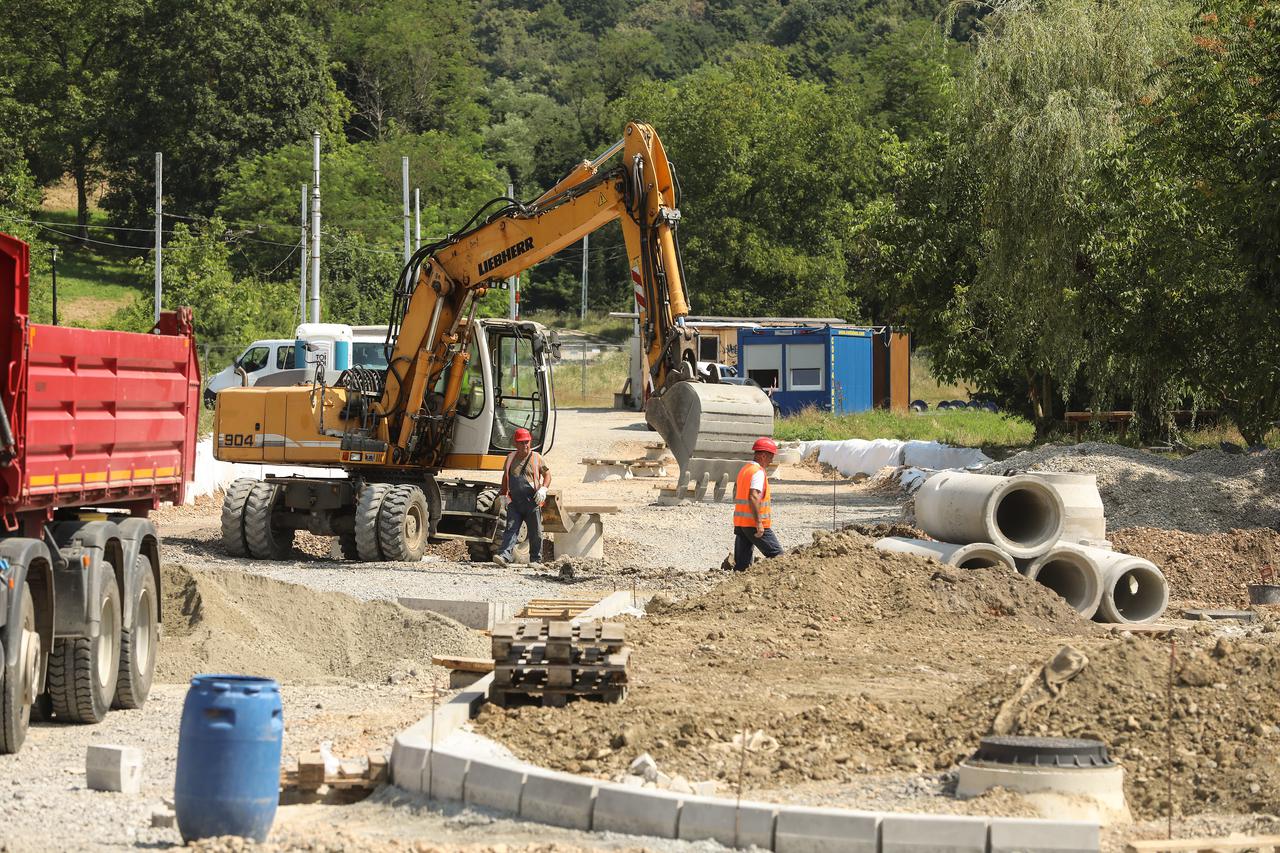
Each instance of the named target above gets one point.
<point>370,354</point>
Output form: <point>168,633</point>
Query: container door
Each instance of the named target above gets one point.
<point>851,371</point>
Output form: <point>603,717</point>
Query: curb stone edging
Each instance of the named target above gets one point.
<point>563,799</point>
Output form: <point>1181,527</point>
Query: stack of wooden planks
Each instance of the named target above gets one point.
<point>311,775</point>
<point>557,661</point>
<point>556,608</point>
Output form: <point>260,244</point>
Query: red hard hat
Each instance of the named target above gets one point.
<point>768,445</point>
<point>522,434</point>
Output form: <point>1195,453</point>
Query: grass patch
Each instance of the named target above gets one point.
<point>925,386</point>
<point>597,324</point>
<point>604,376</point>
<point>94,281</point>
<point>968,428</point>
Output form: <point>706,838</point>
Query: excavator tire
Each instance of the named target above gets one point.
<point>403,524</point>
<point>233,516</point>
<point>263,539</point>
<point>367,507</point>
<point>347,545</point>
<point>482,552</point>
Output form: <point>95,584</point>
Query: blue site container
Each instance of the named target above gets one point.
<point>828,367</point>
<point>229,757</point>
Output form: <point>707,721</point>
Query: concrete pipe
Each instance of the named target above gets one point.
<point>978,555</point>
<point>1083,518</point>
<point>1134,590</point>
<point>1069,571</point>
<point>1020,515</point>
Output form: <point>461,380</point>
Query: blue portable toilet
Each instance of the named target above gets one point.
<point>829,367</point>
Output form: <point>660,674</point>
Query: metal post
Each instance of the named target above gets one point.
<point>55,285</point>
<point>584,277</point>
<point>302,252</point>
<point>513,283</point>
<point>404,186</point>
<point>159,227</point>
<point>584,371</point>
<point>315,227</point>
<point>417,219</point>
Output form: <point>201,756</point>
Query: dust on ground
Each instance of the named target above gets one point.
<point>1204,568</point>
<point>231,621</point>
<point>857,663</point>
<point>1206,492</point>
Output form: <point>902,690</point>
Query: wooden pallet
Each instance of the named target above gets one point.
<point>310,775</point>
<point>559,639</point>
<point>556,608</point>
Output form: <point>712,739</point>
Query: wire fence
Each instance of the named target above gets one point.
<point>589,373</point>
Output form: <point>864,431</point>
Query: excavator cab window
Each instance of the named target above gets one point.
<point>519,390</point>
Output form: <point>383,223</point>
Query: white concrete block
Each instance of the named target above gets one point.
<point>113,768</point>
<point>636,811</point>
<point>408,759</point>
<point>803,830</point>
<point>1010,834</point>
<point>721,820</point>
<point>445,776</point>
<point>481,615</point>
<point>933,833</point>
<point>560,799</point>
<point>494,786</point>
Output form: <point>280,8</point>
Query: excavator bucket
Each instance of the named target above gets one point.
<point>710,427</point>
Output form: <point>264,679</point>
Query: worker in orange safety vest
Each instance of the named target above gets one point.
<point>752,516</point>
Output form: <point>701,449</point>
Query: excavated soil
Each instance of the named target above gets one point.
<point>1206,492</point>
<point>847,656</point>
<point>854,662</point>
<point>229,621</point>
<point>1204,568</point>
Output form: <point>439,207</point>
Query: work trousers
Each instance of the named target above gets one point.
<point>530,515</point>
<point>745,543</point>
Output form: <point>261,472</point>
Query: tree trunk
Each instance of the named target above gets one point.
<point>82,198</point>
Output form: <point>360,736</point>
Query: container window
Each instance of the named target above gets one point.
<point>708,348</point>
<point>804,364</point>
<point>763,363</point>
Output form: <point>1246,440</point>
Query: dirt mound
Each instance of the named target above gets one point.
<point>1206,492</point>
<point>841,576</point>
<point>1225,722</point>
<point>229,621</point>
<point>1204,568</point>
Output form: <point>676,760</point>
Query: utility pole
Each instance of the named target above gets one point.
<point>302,252</point>
<point>404,175</point>
<point>417,219</point>
<point>159,227</point>
<point>315,227</point>
<point>584,277</point>
<point>55,285</point>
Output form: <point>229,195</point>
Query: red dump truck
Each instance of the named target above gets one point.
<point>97,428</point>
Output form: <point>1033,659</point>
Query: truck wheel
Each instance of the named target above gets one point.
<point>233,516</point>
<point>83,670</point>
<point>263,539</point>
<point>367,508</point>
<point>138,644</point>
<point>17,682</point>
<point>403,524</point>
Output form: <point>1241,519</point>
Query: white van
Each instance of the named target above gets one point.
<point>275,362</point>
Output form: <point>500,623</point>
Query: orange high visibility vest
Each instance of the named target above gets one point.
<point>742,516</point>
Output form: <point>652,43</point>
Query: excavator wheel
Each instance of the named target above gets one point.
<point>367,507</point>
<point>404,523</point>
<point>263,539</point>
<point>347,545</point>
<point>233,516</point>
<point>482,552</point>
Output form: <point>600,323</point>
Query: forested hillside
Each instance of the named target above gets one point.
<point>1067,201</point>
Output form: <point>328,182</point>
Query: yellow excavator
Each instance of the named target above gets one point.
<point>457,387</point>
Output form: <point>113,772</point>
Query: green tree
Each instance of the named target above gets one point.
<point>208,82</point>
<point>60,57</point>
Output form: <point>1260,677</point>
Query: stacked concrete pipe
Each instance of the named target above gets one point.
<point>1052,524</point>
<point>975,555</point>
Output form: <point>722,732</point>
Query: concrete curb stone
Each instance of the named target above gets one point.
<point>819,830</point>
<point>494,786</point>
<point>560,799</point>
<point>636,812</point>
<point>934,833</point>
<point>1009,834</point>
<point>703,818</point>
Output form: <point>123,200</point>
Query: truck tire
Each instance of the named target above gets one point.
<point>83,670</point>
<point>233,516</point>
<point>15,704</point>
<point>264,540</point>
<point>367,508</point>
<point>139,643</point>
<point>404,523</point>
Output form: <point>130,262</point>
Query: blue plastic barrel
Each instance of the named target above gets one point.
<point>229,757</point>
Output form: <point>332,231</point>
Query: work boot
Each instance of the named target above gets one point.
<point>501,560</point>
